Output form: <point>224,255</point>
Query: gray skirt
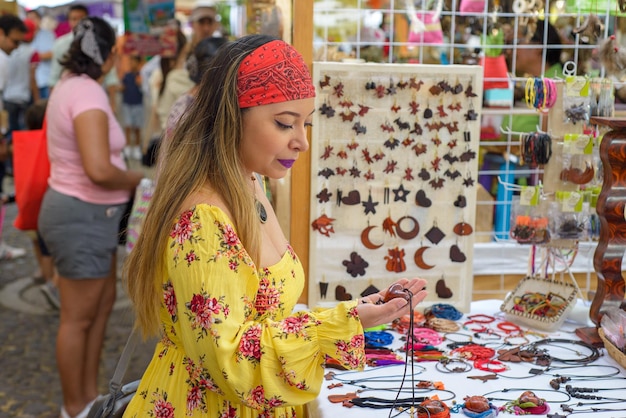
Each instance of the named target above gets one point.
<point>81,237</point>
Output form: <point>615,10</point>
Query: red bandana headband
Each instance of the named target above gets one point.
<point>273,73</point>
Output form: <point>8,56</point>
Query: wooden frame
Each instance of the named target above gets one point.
<point>423,122</point>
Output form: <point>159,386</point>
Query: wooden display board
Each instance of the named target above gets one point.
<point>394,165</point>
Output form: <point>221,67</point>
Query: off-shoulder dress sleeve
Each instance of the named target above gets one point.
<point>231,341</point>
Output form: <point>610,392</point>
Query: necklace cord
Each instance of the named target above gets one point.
<point>409,349</point>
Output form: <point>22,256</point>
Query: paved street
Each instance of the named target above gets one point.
<point>30,384</point>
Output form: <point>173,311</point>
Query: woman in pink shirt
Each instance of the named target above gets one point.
<point>89,188</point>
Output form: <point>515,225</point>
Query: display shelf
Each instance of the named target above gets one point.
<point>349,36</point>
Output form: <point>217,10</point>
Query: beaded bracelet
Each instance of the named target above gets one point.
<point>443,365</point>
<point>378,338</point>
<point>445,311</point>
<point>490,365</point>
<point>481,318</point>
<point>509,328</point>
<point>427,335</point>
<point>475,351</point>
<point>442,325</point>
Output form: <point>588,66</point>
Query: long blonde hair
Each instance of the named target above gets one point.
<point>204,147</point>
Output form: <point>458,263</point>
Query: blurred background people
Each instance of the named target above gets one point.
<point>42,43</point>
<point>18,92</point>
<point>75,13</point>
<point>89,190</point>
<point>175,82</point>
<point>110,82</point>
<point>204,21</point>
<point>132,109</point>
<point>12,32</point>
<point>197,65</point>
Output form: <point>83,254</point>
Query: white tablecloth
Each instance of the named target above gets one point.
<point>462,386</point>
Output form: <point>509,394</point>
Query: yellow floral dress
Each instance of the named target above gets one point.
<point>231,346</point>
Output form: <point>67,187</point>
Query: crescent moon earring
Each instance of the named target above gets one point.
<point>365,239</point>
<point>408,235</point>
<point>419,258</point>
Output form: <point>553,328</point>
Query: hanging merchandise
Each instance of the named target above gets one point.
<point>536,148</point>
<point>529,223</point>
<point>403,184</point>
<point>541,93</point>
<point>601,98</point>
<point>567,219</point>
<point>577,159</point>
<point>576,101</point>
<point>472,6</point>
<point>425,25</point>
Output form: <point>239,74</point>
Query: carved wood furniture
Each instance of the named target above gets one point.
<point>607,260</point>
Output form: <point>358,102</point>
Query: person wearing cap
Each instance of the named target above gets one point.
<point>212,273</point>
<point>204,21</point>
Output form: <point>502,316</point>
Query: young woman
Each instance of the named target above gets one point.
<point>212,271</point>
<point>89,188</point>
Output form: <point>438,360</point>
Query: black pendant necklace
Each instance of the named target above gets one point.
<point>260,210</point>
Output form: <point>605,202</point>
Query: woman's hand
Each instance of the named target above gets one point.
<point>372,314</point>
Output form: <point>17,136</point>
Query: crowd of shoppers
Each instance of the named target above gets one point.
<point>70,80</point>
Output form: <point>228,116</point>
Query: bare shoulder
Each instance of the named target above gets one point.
<point>205,196</point>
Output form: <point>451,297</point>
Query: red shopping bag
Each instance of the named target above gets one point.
<point>31,169</point>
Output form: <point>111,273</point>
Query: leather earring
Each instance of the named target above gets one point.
<point>434,234</point>
<point>460,201</point>
<point>422,200</point>
<point>356,265</point>
<point>443,291</point>
<point>389,225</point>
<point>324,225</point>
<point>395,260</point>
<point>341,294</point>
<point>419,259</point>
<point>323,289</point>
<point>424,174</point>
<point>353,198</point>
<point>408,235</point>
<point>462,229</point>
<point>365,240</point>
<point>456,254</point>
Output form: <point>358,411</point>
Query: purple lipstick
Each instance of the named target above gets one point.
<point>287,163</point>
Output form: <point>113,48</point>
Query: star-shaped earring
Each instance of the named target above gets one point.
<point>400,193</point>
<point>355,172</point>
<point>369,205</point>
